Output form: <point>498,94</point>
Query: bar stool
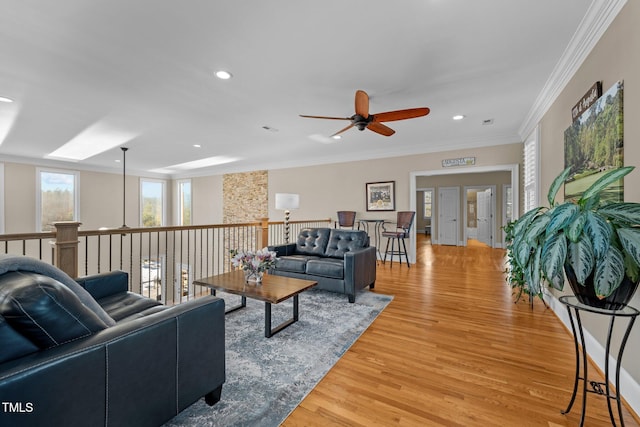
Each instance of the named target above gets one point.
<point>346,219</point>
<point>403,226</point>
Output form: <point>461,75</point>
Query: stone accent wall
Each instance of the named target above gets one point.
<point>245,196</point>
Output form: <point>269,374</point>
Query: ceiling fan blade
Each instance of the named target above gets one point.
<point>342,130</point>
<point>391,116</point>
<point>380,128</point>
<point>362,103</point>
<point>325,117</point>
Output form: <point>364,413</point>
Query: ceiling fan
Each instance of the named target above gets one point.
<point>362,119</point>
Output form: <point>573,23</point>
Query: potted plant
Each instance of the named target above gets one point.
<point>253,263</point>
<point>597,244</point>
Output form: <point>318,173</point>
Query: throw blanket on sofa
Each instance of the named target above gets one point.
<point>23,263</point>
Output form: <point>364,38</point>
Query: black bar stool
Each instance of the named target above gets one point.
<point>403,226</point>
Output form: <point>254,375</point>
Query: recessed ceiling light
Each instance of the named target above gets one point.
<point>197,145</point>
<point>224,75</point>
<point>117,160</point>
<point>7,100</point>
<point>458,117</point>
<point>336,137</point>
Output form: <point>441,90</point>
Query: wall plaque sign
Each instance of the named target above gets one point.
<point>587,100</point>
<point>460,161</point>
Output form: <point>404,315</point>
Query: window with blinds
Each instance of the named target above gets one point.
<point>531,171</point>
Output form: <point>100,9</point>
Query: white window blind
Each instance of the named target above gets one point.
<point>531,172</point>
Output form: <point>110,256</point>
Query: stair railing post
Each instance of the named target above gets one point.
<point>66,246</point>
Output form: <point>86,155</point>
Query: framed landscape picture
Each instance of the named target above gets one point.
<point>593,144</point>
<point>381,196</point>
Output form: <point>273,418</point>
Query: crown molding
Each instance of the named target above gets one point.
<point>599,16</point>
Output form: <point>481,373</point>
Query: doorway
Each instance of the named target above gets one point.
<point>480,214</point>
<point>513,169</point>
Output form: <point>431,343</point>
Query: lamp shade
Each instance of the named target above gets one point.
<point>287,201</point>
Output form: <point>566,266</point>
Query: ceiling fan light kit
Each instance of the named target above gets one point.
<point>363,120</point>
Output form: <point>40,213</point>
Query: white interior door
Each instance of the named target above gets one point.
<point>448,215</point>
<point>484,216</point>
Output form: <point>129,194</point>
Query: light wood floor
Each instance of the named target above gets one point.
<point>452,349</point>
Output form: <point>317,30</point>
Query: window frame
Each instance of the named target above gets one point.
<point>424,203</point>
<point>76,193</point>
<point>180,201</point>
<point>2,217</point>
<point>163,195</point>
<point>531,171</point>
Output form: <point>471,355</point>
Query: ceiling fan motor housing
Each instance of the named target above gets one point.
<point>361,122</point>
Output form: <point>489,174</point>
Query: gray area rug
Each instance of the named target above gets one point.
<point>268,377</point>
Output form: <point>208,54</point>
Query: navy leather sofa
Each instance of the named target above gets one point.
<point>339,260</point>
<point>63,362</point>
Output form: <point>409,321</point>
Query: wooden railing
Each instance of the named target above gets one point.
<point>162,262</point>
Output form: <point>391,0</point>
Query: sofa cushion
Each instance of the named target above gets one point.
<point>13,345</point>
<point>146,312</point>
<point>293,263</point>
<point>44,310</point>
<point>312,241</point>
<point>124,304</point>
<point>343,241</point>
<point>10,262</point>
<point>326,267</point>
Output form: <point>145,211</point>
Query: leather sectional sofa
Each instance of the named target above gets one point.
<point>339,260</point>
<point>90,353</point>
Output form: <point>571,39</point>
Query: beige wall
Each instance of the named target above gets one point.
<point>326,189</point>
<point>616,57</point>
<point>207,200</point>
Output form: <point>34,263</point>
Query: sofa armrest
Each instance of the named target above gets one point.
<point>173,357</point>
<point>283,249</point>
<point>359,270</point>
<point>105,284</point>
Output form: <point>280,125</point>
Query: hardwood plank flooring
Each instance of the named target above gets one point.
<point>452,349</point>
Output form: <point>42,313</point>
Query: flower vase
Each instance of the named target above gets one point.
<point>253,276</point>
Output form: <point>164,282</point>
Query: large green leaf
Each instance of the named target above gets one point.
<point>630,240</point>
<point>556,184</point>
<point>554,253</point>
<point>581,258</point>
<point>631,268</point>
<point>536,228</point>
<point>605,180</point>
<point>532,273</point>
<point>599,232</point>
<point>628,213</point>
<point>562,216</point>
<point>521,252</point>
<point>609,273</point>
<point>522,223</point>
<point>574,231</point>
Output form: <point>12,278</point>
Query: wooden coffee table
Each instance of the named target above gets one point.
<point>274,289</point>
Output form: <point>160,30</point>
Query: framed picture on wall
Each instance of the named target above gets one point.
<point>381,196</point>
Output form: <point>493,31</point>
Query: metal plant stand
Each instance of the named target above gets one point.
<point>574,307</point>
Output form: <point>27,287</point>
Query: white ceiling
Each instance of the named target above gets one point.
<point>140,74</point>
